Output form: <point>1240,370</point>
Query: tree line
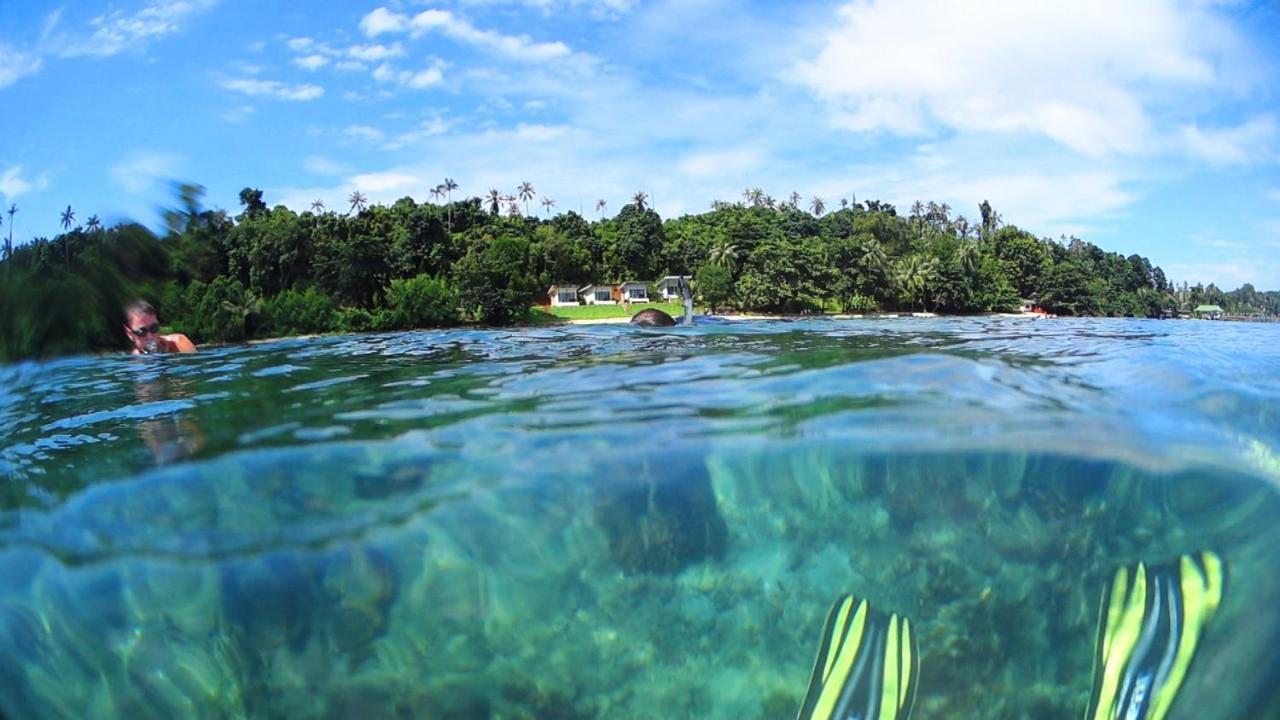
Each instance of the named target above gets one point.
<point>271,271</point>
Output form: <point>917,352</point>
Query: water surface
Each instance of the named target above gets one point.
<point>604,521</point>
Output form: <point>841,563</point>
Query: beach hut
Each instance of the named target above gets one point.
<point>669,286</point>
<point>1207,312</point>
<point>634,292</point>
<point>597,294</point>
<point>562,295</point>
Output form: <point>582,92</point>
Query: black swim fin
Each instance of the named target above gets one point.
<point>1151,621</point>
<point>867,666</point>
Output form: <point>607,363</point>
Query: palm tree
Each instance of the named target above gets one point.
<point>640,199</point>
<point>600,206</point>
<point>526,193</point>
<point>817,206</point>
<point>769,202</point>
<point>448,187</point>
<point>242,309</point>
<point>513,207</point>
<point>68,217</point>
<point>915,276</point>
<point>725,254</point>
<point>548,203</point>
<point>8,249</point>
<point>968,257</point>
<point>844,203</point>
<point>754,196</point>
<point>794,200</point>
<point>358,202</point>
<point>494,199</point>
<point>93,223</point>
<point>317,206</point>
<point>434,192</point>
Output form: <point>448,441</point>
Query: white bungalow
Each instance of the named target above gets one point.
<point>669,286</point>
<point>562,295</point>
<point>636,292</point>
<point>597,294</point>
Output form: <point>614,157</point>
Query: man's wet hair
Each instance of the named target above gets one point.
<point>138,307</point>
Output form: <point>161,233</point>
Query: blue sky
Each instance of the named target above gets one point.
<point>1148,126</point>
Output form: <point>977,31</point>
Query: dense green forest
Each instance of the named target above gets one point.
<point>271,271</point>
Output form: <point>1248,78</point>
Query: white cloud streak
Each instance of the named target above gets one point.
<point>1253,141</point>
<point>375,53</point>
<point>272,88</point>
<point>15,65</point>
<point>13,185</point>
<point>311,62</point>
<point>413,79</point>
<point>516,47</point>
<point>117,30</point>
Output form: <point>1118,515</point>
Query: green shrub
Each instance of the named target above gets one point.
<point>298,313</point>
<point>861,304</point>
<point>420,301</point>
<point>219,311</point>
<point>354,319</point>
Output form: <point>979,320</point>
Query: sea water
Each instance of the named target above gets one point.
<point>613,522</point>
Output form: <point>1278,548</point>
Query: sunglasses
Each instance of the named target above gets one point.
<point>151,329</point>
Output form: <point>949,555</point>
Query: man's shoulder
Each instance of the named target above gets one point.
<point>181,343</point>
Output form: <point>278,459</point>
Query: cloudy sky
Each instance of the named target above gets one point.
<point>1149,126</point>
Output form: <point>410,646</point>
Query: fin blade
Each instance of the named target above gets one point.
<point>867,659</point>
<point>1148,635</point>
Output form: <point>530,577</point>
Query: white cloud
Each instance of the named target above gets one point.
<point>721,163</point>
<point>15,65</point>
<point>415,79</point>
<point>349,66</point>
<point>117,30</point>
<point>1072,72</point>
<point>1253,141</point>
<point>375,53</point>
<point>363,132</point>
<point>383,182</point>
<point>428,129</point>
<point>137,174</point>
<point>13,184</point>
<point>516,47</point>
<point>540,133</point>
<point>311,62</point>
<point>273,88</point>
<point>604,9</point>
<point>382,21</point>
<point>323,166</point>
<point>300,44</point>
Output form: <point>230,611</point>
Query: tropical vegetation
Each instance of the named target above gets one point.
<point>271,271</point>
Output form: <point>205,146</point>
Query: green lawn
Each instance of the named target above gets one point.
<point>593,312</point>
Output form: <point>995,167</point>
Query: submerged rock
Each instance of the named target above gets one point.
<point>661,526</point>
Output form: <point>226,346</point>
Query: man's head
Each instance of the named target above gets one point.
<point>141,326</point>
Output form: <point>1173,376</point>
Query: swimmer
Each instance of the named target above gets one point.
<point>143,330</point>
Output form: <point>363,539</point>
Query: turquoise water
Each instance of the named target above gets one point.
<point>583,522</point>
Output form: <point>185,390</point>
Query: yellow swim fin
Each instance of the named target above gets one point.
<point>1150,623</point>
<point>867,666</point>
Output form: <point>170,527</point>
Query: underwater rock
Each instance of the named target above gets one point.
<point>661,525</point>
